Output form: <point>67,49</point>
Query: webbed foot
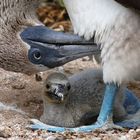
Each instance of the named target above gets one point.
<point>129,124</point>
<point>37,125</point>
<point>132,121</point>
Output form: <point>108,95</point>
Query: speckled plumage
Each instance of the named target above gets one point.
<point>15,15</point>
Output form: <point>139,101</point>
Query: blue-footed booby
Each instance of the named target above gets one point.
<point>116,28</point>
<point>76,100</point>
<point>131,3</point>
<point>27,46</point>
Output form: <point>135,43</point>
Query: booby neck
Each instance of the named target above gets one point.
<point>19,11</point>
<point>14,16</point>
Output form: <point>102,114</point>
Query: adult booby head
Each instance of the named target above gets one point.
<point>27,47</point>
<point>117,29</point>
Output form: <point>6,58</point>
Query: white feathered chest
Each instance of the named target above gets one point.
<point>116,28</point>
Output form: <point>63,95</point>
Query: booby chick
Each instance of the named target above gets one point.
<point>116,29</point>
<point>29,47</point>
<point>76,100</point>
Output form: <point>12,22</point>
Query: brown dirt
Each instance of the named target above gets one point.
<point>23,93</point>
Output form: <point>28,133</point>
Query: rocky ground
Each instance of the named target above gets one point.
<point>20,95</point>
<point>21,98</point>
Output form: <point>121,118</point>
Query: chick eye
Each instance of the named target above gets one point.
<point>37,55</point>
<point>68,87</point>
<point>47,86</point>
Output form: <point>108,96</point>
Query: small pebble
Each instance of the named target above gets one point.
<point>5,132</point>
<point>19,86</point>
<point>51,138</point>
<point>132,133</point>
<point>38,77</point>
<point>123,138</point>
<point>138,131</point>
<point>96,138</point>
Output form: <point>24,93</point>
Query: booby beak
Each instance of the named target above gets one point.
<point>53,49</point>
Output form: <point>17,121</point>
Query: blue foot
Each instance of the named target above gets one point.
<point>131,103</point>
<point>132,107</point>
<point>129,124</point>
<point>37,125</point>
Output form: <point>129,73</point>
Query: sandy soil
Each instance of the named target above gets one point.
<point>22,95</point>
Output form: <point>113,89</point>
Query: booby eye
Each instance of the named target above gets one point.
<point>37,55</point>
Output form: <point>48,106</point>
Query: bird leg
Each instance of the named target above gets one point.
<point>132,107</point>
<point>104,120</point>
